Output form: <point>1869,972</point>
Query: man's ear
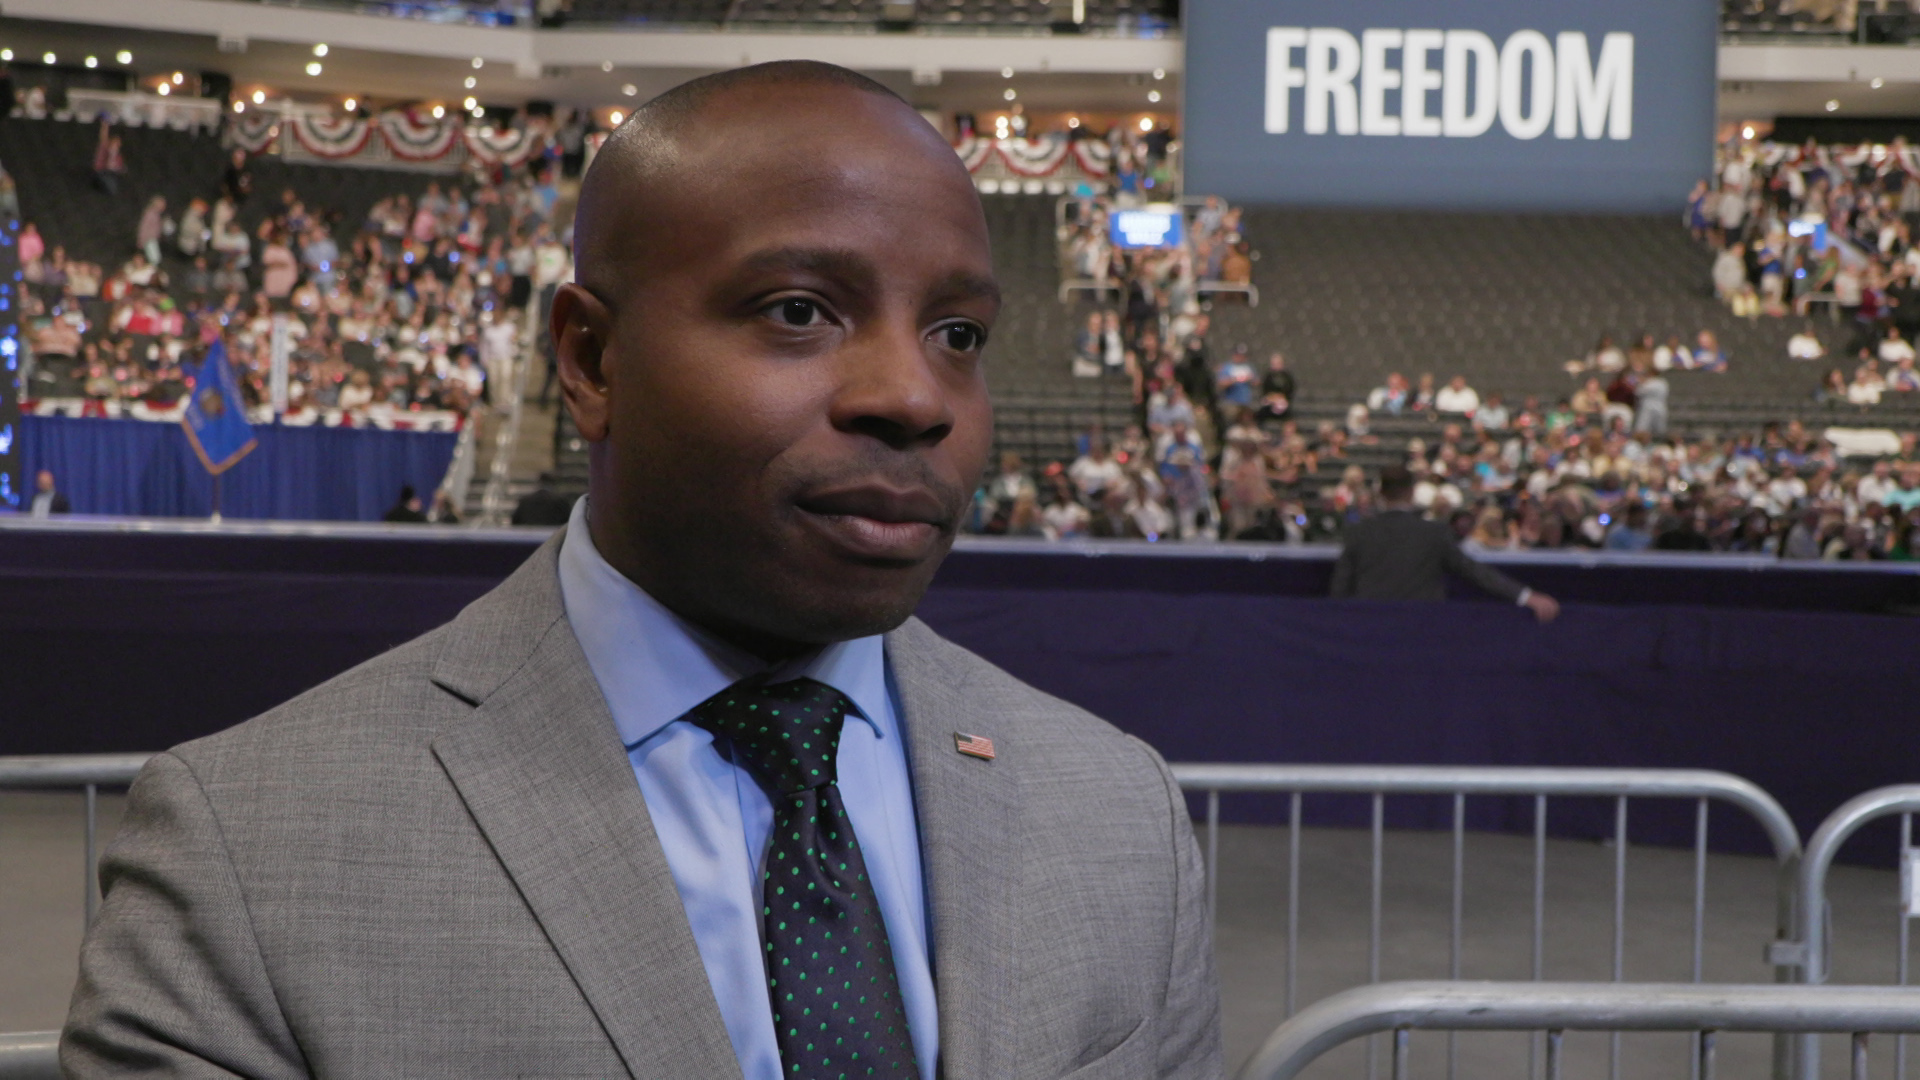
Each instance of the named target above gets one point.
<point>582,327</point>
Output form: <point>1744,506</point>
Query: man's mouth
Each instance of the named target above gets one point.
<point>876,521</point>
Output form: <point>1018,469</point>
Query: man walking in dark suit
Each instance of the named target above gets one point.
<point>692,796</point>
<point>1399,555</point>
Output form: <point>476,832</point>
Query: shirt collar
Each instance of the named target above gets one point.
<point>653,666</point>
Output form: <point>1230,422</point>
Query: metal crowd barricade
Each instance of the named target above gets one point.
<point>1813,950</point>
<point>1556,1008</point>
<point>1542,784</point>
<point>32,1055</point>
<point>88,772</point>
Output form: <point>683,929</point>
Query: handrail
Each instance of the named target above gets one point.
<point>1530,1006</point>
<point>30,1055</point>
<point>1503,780</point>
<point>1822,848</point>
<point>70,770</point>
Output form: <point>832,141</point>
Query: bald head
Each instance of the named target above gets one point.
<point>668,142</point>
<point>774,351</point>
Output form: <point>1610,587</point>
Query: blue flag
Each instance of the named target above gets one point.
<point>216,418</point>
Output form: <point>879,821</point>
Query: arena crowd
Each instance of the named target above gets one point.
<point>402,318</point>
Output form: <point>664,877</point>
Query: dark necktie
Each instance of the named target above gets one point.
<point>836,1002</point>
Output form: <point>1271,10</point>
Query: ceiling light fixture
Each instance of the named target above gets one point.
<point>47,58</point>
<point>1073,121</point>
<point>1833,105</point>
<point>165,89</point>
<point>617,116</point>
<point>123,56</point>
<point>439,112</point>
<point>1159,73</point>
<point>469,104</point>
<point>471,82</point>
<point>1009,95</point>
<point>239,106</point>
<point>1878,82</point>
<point>91,62</point>
<point>477,62</point>
<point>6,54</point>
<point>259,97</point>
<point>1146,123</point>
<point>320,50</point>
<point>179,77</point>
<point>1006,73</point>
<point>606,65</point>
<point>1153,95</point>
<point>352,104</point>
<point>313,67</point>
<point>630,90</point>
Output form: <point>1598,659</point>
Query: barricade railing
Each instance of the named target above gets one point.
<point>1556,1008</point>
<point>86,772</point>
<point>1814,949</point>
<point>30,1055</point>
<point>1542,784</point>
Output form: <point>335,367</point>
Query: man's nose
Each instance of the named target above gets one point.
<point>892,389</point>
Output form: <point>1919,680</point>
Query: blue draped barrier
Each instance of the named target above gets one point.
<point>146,469</point>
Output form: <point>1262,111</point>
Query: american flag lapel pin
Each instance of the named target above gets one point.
<point>973,745</point>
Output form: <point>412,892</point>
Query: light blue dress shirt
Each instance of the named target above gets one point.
<point>713,819</point>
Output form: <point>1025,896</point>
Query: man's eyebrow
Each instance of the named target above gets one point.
<point>965,286</point>
<point>849,266</point>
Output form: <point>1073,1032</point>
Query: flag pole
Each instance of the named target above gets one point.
<point>216,499</point>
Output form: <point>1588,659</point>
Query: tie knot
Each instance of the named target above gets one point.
<point>786,733</point>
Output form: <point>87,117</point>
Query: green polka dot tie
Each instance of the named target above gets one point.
<point>836,1001</point>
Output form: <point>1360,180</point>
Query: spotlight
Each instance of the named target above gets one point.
<point>606,65</point>
<point>1159,73</point>
<point>123,56</point>
<point>616,116</point>
<point>477,62</point>
<point>1747,132</point>
<point>351,104</point>
<point>439,112</point>
<point>630,90</point>
<point>239,106</point>
<point>178,78</point>
<point>1073,121</point>
<point>1153,95</point>
<point>92,62</point>
<point>1878,83</point>
<point>1006,73</point>
<point>313,67</point>
<point>1009,94</point>
<point>478,113</point>
<point>319,50</point>
<point>1146,123</point>
<point>48,58</point>
<point>469,104</point>
<point>471,82</point>
<point>1833,105</point>
<point>259,97</point>
<point>6,54</point>
<point>165,89</point>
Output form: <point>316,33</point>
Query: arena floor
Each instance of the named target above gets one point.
<point>40,891</point>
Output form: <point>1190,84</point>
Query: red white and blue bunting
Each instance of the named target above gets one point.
<point>504,147</point>
<point>1035,158</point>
<point>331,137</point>
<point>254,131</point>
<point>414,140</point>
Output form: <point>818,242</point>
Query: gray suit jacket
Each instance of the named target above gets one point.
<point>439,864</point>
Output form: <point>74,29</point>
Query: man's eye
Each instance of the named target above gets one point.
<point>795,312</point>
<point>962,337</point>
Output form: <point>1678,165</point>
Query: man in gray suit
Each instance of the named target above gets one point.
<point>1399,555</point>
<point>691,794</point>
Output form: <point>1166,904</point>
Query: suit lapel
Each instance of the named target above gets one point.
<point>970,843</point>
<point>541,769</point>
